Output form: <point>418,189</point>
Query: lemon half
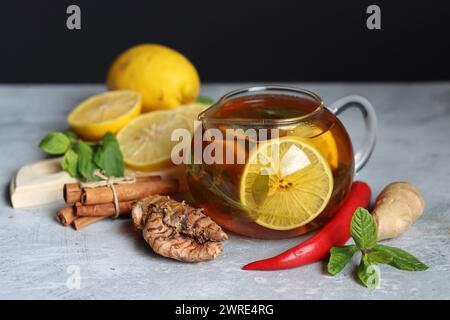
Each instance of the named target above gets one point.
<point>286,183</point>
<point>109,111</point>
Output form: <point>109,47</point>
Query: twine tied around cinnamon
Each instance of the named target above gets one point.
<point>109,182</point>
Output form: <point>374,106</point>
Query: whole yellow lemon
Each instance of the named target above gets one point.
<point>164,77</point>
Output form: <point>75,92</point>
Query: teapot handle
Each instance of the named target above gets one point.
<point>370,120</point>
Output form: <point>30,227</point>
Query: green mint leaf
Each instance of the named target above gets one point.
<point>378,256</point>
<point>55,143</point>
<point>367,273</point>
<point>363,229</point>
<point>109,158</point>
<point>71,135</point>
<point>401,259</point>
<point>85,164</point>
<point>69,162</point>
<point>205,100</point>
<point>340,257</point>
<point>260,188</point>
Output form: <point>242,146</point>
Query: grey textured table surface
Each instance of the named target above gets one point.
<point>114,262</point>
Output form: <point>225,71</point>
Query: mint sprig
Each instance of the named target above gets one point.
<point>108,157</point>
<point>364,233</point>
<point>69,162</point>
<point>55,143</point>
<point>260,188</point>
<point>81,158</point>
<point>85,164</point>
<point>401,259</point>
<point>363,229</point>
<point>340,257</point>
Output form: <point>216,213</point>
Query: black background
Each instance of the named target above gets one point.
<point>230,40</point>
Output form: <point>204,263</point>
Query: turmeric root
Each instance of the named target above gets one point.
<point>175,230</point>
<point>397,207</point>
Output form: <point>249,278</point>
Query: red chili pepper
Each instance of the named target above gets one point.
<point>335,233</point>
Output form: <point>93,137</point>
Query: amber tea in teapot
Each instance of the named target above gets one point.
<point>288,162</point>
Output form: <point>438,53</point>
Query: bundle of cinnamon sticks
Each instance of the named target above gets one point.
<point>90,204</point>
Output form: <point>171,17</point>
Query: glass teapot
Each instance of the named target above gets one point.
<point>278,162</point>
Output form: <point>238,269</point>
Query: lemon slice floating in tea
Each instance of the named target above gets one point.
<point>323,141</point>
<point>286,183</point>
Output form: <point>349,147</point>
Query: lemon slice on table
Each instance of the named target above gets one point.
<point>191,111</point>
<point>286,183</point>
<point>146,143</point>
<point>109,111</point>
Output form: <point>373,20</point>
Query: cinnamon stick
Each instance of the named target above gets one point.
<point>73,191</point>
<point>128,192</point>
<point>65,216</point>
<point>94,204</point>
<point>82,222</point>
<point>105,209</point>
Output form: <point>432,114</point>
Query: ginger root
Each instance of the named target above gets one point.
<point>396,208</point>
<point>175,230</point>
